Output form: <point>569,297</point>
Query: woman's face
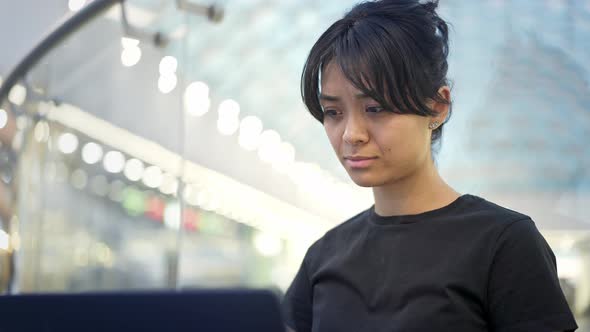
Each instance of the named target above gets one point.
<point>375,146</point>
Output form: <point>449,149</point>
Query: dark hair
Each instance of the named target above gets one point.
<point>394,51</point>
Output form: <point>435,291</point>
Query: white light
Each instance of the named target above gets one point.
<point>133,169</point>
<point>91,153</point>
<point>267,245</point>
<point>249,145</point>
<point>169,184</point>
<point>284,158</point>
<point>41,132</point>
<point>168,65</point>
<point>196,99</point>
<point>152,177</point>
<point>167,83</point>
<point>4,240</point>
<point>229,109</point>
<point>172,215</point>
<point>130,56</point>
<point>114,162</point>
<point>127,42</point>
<point>3,118</point>
<point>17,95</point>
<point>250,129</point>
<point>67,143</point>
<point>228,126</point>
<point>198,89</point>
<point>76,5</point>
<point>250,125</point>
<point>190,195</point>
<point>268,148</point>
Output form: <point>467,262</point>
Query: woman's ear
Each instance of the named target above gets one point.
<point>442,109</point>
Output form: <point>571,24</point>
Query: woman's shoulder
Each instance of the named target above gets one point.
<point>344,232</point>
<point>486,210</point>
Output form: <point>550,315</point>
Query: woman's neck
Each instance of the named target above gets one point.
<point>422,191</point>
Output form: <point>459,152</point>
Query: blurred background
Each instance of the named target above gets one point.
<point>157,148</point>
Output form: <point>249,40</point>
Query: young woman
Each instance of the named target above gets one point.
<point>424,257</point>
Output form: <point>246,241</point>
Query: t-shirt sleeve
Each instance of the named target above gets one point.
<point>523,287</point>
<point>297,302</point>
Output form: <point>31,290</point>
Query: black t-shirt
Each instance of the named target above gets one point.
<point>469,266</point>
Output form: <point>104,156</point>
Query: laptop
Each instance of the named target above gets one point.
<point>194,310</point>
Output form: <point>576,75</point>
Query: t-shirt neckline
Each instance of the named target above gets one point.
<point>415,218</point>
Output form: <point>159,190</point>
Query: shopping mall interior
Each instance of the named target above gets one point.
<point>162,145</point>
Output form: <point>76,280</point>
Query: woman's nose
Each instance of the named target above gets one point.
<point>355,131</point>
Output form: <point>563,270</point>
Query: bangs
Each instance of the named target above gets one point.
<point>376,60</point>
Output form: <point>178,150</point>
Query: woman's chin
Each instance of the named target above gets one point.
<point>362,181</point>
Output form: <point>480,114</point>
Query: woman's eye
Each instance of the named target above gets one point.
<point>375,109</point>
<point>330,113</point>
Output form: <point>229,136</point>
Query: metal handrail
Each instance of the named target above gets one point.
<point>65,28</point>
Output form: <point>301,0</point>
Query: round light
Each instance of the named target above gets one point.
<point>228,126</point>
<point>127,42</point>
<point>152,177</point>
<point>196,99</point>
<point>190,195</point>
<point>269,145</point>
<point>133,169</point>
<point>169,184</point>
<point>168,65</point>
<point>250,129</point>
<point>130,56</point>
<point>248,144</point>
<point>284,157</point>
<point>76,5</point>
<point>17,95</point>
<point>67,143</point>
<point>172,215</point>
<point>198,107</point>
<point>134,201</point>
<point>198,89</point>
<point>267,245</point>
<point>114,162</point>
<point>79,179</point>
<point>229,109</point>
<point>167,83</point>
<point>3,118</point>
<point>250,126</point>
<point>91,153</point>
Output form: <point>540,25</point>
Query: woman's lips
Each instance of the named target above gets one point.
<point>359,162</point>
